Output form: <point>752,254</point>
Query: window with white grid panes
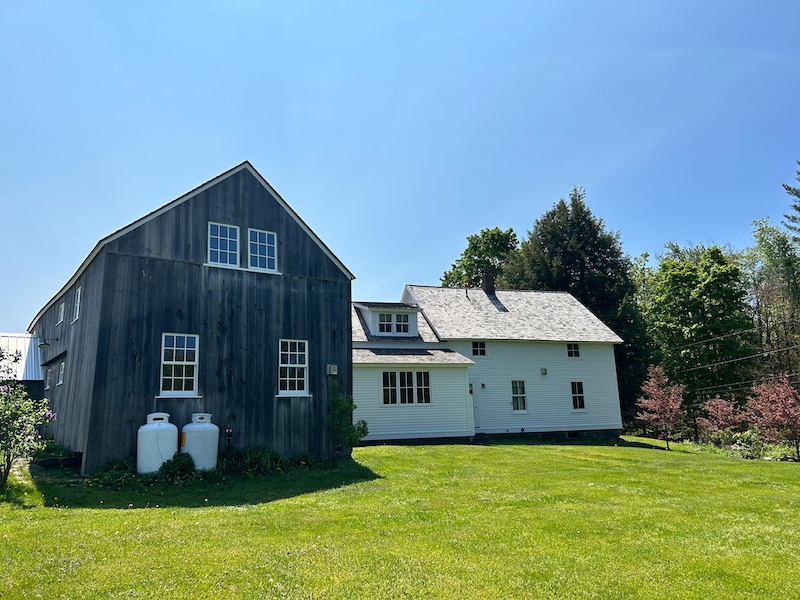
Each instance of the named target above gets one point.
<point>223,244</point>
<point>179,364</point>
<point>293,368</point>
<point>519,402</point>
<point>262,250</point>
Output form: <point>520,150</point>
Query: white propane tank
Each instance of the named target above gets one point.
<point>200,439</point>
<point>156,443</point>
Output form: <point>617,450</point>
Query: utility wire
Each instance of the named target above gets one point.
<point>727,335</point>
<point>739,359</point>
<point>721,387</point>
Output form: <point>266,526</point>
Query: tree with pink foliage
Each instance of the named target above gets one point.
<point>661,405</point>
<point>774,410</point>
<point>722,415</point>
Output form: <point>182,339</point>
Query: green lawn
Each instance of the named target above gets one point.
<point>505,520</point>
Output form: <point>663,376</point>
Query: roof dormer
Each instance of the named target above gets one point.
<point>391,319</point>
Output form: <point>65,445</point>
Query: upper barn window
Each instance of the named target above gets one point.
<point>223,244</point>
<point>262,250</point>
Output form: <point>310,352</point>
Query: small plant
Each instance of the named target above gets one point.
<point>747,444</point>
<point>177,469</point>
<point>254,461</point>
<point>304,460</point>
<point>339,420</point>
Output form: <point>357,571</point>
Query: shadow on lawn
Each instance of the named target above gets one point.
<point>65,488</point>
<point>532,440</point>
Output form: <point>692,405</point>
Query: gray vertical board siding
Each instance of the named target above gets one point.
<point>156,282</point>
<point>76,346</point>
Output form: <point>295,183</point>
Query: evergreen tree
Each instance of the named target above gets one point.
<point>569,249</point>
<point>792,221</point>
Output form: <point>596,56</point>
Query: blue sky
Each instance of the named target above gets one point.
<point>395,129</point>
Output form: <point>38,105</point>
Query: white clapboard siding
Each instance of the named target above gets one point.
<point>548,396</point>
<point>449,413</point>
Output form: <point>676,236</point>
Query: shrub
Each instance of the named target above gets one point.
<point>774,410</point>
<point>339,420</point>
<point>177,469</point>
<point>20,418</point>
<point>747,444</point>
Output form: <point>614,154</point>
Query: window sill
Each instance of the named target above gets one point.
<point>177,397</point>
<point>309,396</point>
<point>579,410</point>
<point>238,268</point>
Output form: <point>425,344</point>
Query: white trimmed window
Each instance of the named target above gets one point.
<point>385,323</point>
<point>293,368</point>
<point>262,250</point>
<point>578,400</point>
<point>76,312</point>
<point>406,387</point>
<point>60,314</point>
<point>478,348</point>
<point>518,400</point>
<point>392,323</point>
<point>401,323</point>
<point>573,350</point>
<point>223,244</point>
<point>48,378</point>
<point>60,374</point>
<point>179,364</point>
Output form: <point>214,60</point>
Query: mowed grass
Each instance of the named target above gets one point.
<point>506,520</point>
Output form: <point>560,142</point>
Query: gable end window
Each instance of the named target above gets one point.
<point>263,248</point>
<point>578,401</point>
<point>573,350</point>
<point>60,374</point>
<point>223,244</point>
<point>76,312</point>
<point>48,378</point>
<point>478,348</point>
<point>179,364</point>
<point>406,387</point>
<point>518,401</point>
<point>60,314</point>
<point>293,368</point>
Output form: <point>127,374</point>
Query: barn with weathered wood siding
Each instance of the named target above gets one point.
<point>222,301</point>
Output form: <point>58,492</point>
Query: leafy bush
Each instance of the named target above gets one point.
<point>340,420</point>
<point>20,418</point>
<point>747,444</point>
<point>177,469</point>
<point>254,461</point>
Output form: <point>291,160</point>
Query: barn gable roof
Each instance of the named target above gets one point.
<point>456,313</point>
<point>178,201</point>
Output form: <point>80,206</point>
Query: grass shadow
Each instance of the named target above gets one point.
<point>65,488</point>
<point>538,440</point>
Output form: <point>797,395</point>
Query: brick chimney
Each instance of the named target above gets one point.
<point>487,282</point>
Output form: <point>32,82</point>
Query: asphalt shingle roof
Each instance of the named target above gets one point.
<point>361,332</point>
<point>421,356</point>
<point>456,313</point>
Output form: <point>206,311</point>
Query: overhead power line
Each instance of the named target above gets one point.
<point>727,335</point>
<point>739,359</point>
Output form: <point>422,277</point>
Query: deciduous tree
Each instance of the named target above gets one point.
<point>486,252</point>
<point>661,405</point>
<point>774,410</point>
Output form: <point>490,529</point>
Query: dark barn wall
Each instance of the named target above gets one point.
<point>75,344</point>
<point>156,282</point>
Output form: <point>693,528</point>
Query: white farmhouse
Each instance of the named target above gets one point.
<point>450,362</point>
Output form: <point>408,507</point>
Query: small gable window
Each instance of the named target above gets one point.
<point>478,348</point>
<point>573,350</point>
<point>223,244</point>
<point>60,374</point>
<point>60,314</point>
<point>76,312</point>
<point>394,323</point>
<point>262,250</point>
